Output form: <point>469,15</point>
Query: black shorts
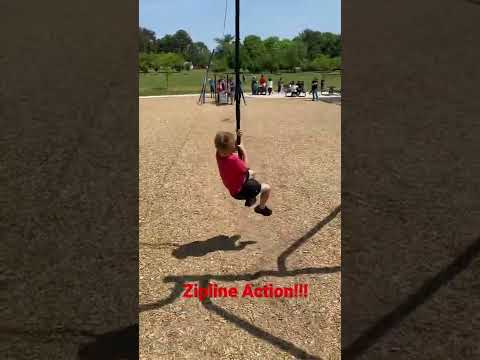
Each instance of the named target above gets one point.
<point>250,189</point>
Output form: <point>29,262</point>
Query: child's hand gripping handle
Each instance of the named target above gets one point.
<point>239,136</point>
<point>241,150</point>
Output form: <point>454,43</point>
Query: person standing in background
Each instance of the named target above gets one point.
<point>270,86</point>
<point>212,87</point>
<point>263,84</point>
<point>254,85</point>
<point>314,90</point>
<point>280,85</point>
<point>231,93</point>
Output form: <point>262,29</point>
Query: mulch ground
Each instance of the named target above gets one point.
<point>192,231</point>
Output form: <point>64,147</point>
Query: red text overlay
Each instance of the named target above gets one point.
<point>192,290</point>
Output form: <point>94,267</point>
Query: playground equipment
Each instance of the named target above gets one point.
<point>234,87</point>
<point>201,99</point>
<point>224,91</point>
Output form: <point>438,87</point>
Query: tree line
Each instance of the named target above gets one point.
<point>309,50</point>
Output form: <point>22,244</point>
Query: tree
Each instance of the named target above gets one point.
<point>271,60</point>
<point>199,54</point>
<point>318,43</point>
<point>224,45</point>
<point>182,42</point>
<point>313,42</point>
<point>321,62</point>
<point>310,50</point>
<point>146,40</point>
<point>270,63</point>
<point>331,44</point>
<point>336,63</point>
<point>255,49</point>
<point>224,53</point>
<point>219,64</point>
<point>283,46</point>
<point>272,43</point>
<point>166,44</point>
<point>293,54</point>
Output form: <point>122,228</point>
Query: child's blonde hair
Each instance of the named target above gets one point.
<point>225,141</point>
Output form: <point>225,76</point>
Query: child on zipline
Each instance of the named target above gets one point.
<point>235,174</point>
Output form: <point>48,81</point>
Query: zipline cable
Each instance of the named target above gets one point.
<point>204,83</point>
<point>225,18</point>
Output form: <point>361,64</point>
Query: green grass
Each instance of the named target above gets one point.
<point>190,82</point>
<point>185,82</point>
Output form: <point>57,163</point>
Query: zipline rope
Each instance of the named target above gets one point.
<point>204,83</point>
<point>225,18</point>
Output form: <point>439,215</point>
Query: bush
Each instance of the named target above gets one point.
<point>145,61</point>
<point>220,65</point>
<point>168,61</point>
<point>324,63</point>
<point>336,63</point>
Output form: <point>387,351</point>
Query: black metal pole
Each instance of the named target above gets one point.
<point>237,65</point>
<point>205,85</point>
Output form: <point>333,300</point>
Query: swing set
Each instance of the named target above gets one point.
<point>222,88</point>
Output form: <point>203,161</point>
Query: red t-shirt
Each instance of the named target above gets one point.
<point>232,171</point>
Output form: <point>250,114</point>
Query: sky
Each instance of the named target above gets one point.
<point>203,19</point>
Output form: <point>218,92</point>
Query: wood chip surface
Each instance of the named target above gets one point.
<point>293,145</point>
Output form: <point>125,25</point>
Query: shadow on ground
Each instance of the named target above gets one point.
<point>123,343</point>
<point>333,100</point>
<point>216,243</point>
<point>379,329</point>
<point>116,345</point>
<point>282,271</point>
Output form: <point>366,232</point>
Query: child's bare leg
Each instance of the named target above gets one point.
<point>264,195</point>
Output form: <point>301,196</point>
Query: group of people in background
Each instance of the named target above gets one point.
<point>264,86</point>
<point>224,87</point>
